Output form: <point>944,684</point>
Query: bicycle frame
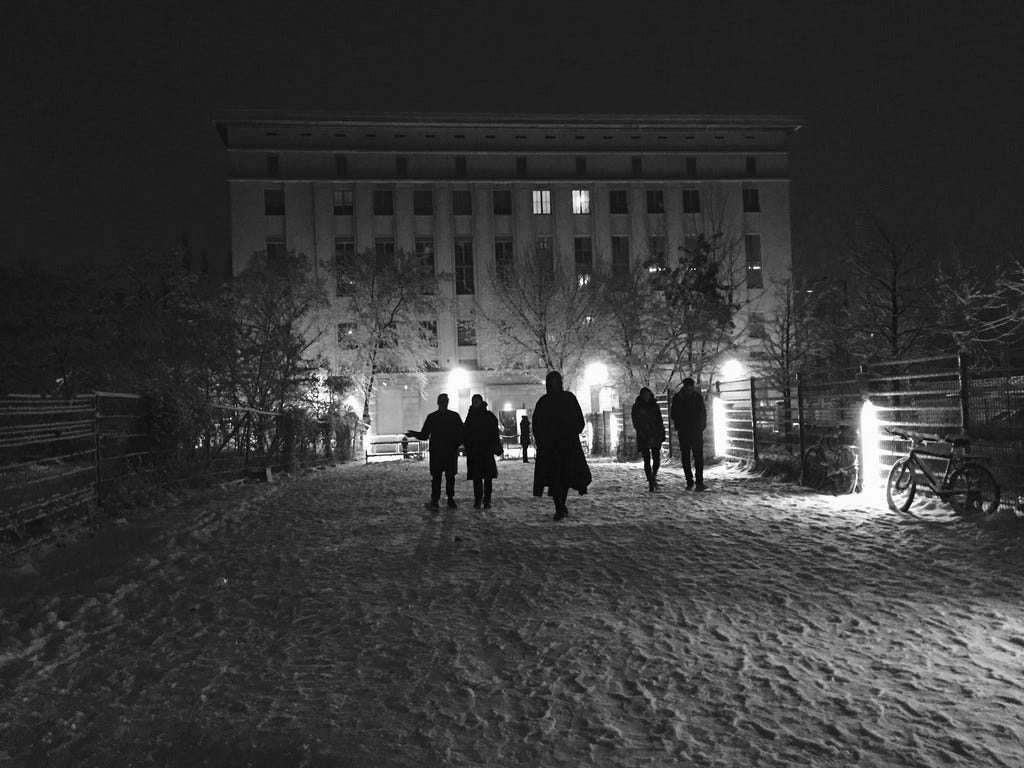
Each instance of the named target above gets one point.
<point>931,479</point>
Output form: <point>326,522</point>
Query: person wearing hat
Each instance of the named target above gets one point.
<point>689,415</point>
<point>482,440</point>
<point>443,428</point>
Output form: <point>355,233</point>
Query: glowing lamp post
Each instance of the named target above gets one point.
<point>870,451</point>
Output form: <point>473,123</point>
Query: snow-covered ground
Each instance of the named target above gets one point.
<point>331,620</point>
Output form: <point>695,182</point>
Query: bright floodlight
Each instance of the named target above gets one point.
<point>718,417</point>
<point>595,374</point>
<point>458,378</point>
<point>732,370</point>
<point>870,451</point>
<point>352,403</point>
<point>507,407</point>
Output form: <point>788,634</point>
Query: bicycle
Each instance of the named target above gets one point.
<point>965,484</point>
<point>825,461</point>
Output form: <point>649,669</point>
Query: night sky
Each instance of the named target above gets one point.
<point>911,110</point>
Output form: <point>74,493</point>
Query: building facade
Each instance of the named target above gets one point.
<point>599,191</point>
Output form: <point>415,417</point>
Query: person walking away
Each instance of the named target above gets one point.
<point>443,428</point>
<point>482,439</point>
<point>650,434</point>
<point>524,437</point>
<point>560,463</point>
<point>689,415</point>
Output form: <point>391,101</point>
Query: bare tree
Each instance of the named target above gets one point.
<point>542,314</point>
<point>892,288</point>
<point>390,306</point>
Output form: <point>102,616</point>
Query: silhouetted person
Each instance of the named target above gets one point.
<point>650,434</point>
<point>482,439</point>
<point>443,428</point>
<point>690,418</point>
<point>560,465</point>
<point>524,437</point>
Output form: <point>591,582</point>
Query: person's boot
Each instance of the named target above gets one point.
<point>451,502</point>
<point>487,503</point>
<point>432,505</point>
<point>561,512</point>
<point>477,503</point>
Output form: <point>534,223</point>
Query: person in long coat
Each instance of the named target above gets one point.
<point>443,428</point>
<point>481,436</point>
<point>689,415</point>
<point>524,437</point>
<point>650,434</point>
<point>560,463</point>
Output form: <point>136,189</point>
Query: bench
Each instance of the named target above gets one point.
<point>408,448</point>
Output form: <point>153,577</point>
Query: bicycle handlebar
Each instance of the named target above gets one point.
<point>922,439</point>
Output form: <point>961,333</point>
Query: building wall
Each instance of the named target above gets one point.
<point>482,154</point>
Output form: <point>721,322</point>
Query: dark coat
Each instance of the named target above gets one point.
<point>649,426</point>
<point>689,415</point>
<point>444,431</point>
<point>557,423</point>
<point>480,437</point>
<point>524,431</point>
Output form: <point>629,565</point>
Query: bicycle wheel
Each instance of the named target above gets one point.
<point>901,487</point>
<point>844,472</point>
<point>973,490</point>
<point>813,468</point>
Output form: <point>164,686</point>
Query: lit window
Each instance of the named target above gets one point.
<point>542,201</point>
<point>343,202</point>
<point>581,201</point>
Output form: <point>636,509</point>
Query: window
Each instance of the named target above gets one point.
<point>751,166</point>
<point>273,166</point>
<point>273,202</point>
<point>424,252</point>
<point>584,253</point>
<point>502,202</point>
<point>691,245</point>
<point>756,326</point>
<point>343,202</point>
<point>401,166</point>
<point>691,201</point>
<point>466,333</point>
<point>656,248</point>
<point>691,167</point>
<point>384,247</point>
<point>542,201</point>
<point>504,261</point>
<point>752,247</point>
<point>751,201</point>
<point>347,336</point>
<point>581,166</point>
<point>460,166</point>
<point>423,202</point>
<point>340,166</point>
<point>462,202</point>
<point>637,164</point>
<point>618,201</point>
<point>620,255</point>
<point>464,267</point>
<point>581,201</point>
<point>383,202</point>
<point>344,254</point>
<point>544,252</point>
<point>520,166</point>
<point>275,248</point>
<point>655,201</point>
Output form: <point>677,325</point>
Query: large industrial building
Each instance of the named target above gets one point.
<point>469,190</point>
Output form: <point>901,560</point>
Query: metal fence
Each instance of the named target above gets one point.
<point>934,395</point>
<point>62,459</point>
